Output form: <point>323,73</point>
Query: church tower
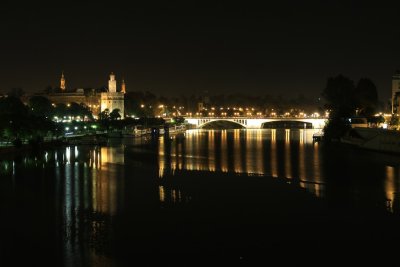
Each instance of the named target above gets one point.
<point>112,84</point>
<point>62,81</point>
<point>123,87</point>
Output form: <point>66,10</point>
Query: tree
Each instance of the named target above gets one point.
<point>104,115</point>
<point>40,106</point>
<point>60,110</point>
<point>366,97</point>
<point>339,96</point>
<point>81,110</point>
<point>114,115</point>
<point>394,121</point>
<point>12,106</point>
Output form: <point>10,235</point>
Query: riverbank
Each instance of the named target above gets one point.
<point>25,148</point>
<point>375,139</point>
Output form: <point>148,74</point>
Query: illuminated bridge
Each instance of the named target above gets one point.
<point>259,123</point>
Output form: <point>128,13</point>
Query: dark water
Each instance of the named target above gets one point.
<point>233,194</point>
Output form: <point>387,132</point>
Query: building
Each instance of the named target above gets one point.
<point>113,99</point>
<point>88,97</point>
<point>62,82</point>
<point>96,100</point>
<point>395,93</point>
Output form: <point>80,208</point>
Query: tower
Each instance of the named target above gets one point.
<point>123,87</point>
<point>113,99</point>
<point>112,84</point>
<point>62,81</point>
<point>395,92</point>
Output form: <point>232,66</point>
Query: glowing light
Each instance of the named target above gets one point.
<point>161,193</point>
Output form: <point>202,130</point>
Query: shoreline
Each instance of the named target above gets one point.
<point>12,150</point>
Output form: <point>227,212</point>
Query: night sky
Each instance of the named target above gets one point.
<point>173,49</point>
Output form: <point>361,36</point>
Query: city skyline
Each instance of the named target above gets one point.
<point>171,50</point>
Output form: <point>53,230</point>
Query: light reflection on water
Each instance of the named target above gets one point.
<point>90,182</point>
<point>253,152</point>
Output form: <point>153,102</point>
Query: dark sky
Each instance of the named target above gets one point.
<point>171,49</point>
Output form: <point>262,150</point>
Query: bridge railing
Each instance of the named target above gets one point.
<point>253,117</point>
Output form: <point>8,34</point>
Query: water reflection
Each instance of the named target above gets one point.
<point>95,187</point>
<point>391,187</point>
<point>253,152</point>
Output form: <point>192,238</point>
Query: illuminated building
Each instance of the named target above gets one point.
<point>113,99</point>
<point>62,81</point>
<point>96,100</point>
<point>395,92</point>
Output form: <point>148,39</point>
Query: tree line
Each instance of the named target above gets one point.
<point>346,99</point>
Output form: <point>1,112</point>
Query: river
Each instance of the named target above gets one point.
<point>208,192</point>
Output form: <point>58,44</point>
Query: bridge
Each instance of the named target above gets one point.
<point>258,122</point>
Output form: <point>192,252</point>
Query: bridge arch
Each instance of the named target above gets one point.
<point>221,123</point>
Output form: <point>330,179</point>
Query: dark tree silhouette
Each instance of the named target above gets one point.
<point>366,97</point>
<point>339,96</point>
<point>104,115</point>
<point>40,106</point>
<point>114,115</point>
